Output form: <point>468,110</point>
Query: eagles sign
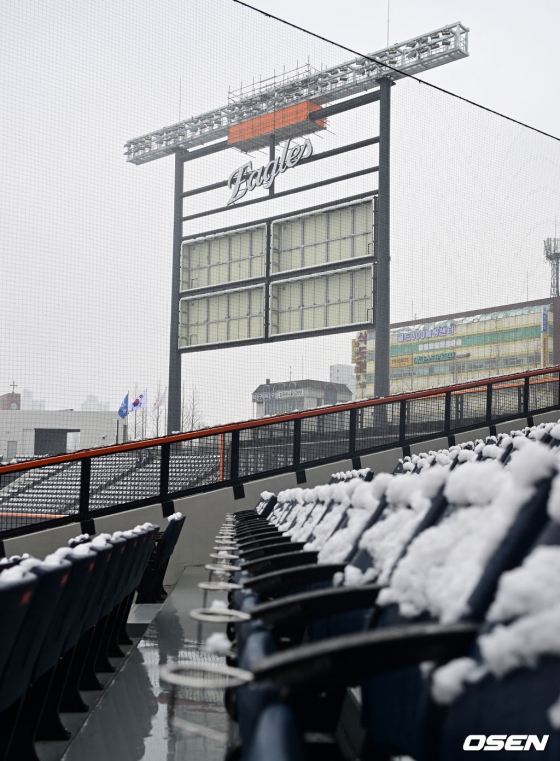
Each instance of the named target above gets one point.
<point>246,178</point>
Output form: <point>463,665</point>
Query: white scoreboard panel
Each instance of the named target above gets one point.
<point>304,274</point>
<point>321,301</point>
<point>330,236</point>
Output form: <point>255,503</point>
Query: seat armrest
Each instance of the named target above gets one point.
<point>280,583</point>
<point>271,549</point>
<point>349,659</point>
<point>258,543</point>
<point>279,562</point>
<point>309,606</point>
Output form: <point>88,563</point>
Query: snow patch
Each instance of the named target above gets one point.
<point>522,643</point>
<point>448,682</point>
<point>530,588</point>
<point>492,451</point>
<point>218,643</point>
<point>475,483</point>
<point>218,605</point>
<point>553,506</point>
<point>532,464</point>
<point>526,618</point>
<point>445,562</point>
<point>14,574</point>
<point>555,432</point>
<point>553,713</point>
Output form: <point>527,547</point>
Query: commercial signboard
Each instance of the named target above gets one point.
<point>417,335</point>
<point>404,361</point>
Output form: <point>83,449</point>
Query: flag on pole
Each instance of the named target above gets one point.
<point>123,409</point>
<point>162,398</point>
<point>139,403</point>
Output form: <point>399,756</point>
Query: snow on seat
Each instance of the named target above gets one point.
<point>511,678</point>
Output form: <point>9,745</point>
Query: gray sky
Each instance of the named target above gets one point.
<point>86,237</point>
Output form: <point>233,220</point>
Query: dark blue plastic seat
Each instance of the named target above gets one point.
<point>150,588</point>
<point>399,714</point>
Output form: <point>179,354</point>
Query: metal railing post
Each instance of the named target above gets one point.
<point>297,443</point>
<point>447,414</point>
<point>164,470</point>
<point>352,432</point>
<point>402,421</point>
<point>234,462</point>
<point>85,481</point>
<point>489,403</point>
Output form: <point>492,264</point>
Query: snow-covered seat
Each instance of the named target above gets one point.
<point>510,682</point>
<point>448,576</point>
<point>74,611</point>
<point>40,610</point>
<point>150,587</point>
<point>326,526</point>
<point>16,592</point>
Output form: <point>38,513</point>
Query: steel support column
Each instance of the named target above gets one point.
<point>382,295</point>
<point>174,382</point>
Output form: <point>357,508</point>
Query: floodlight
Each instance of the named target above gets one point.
<point>333,84</point>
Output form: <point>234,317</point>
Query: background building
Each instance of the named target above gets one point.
<point>28,402</point>
<point>281,398</point>
<point>92,404</point>
<point>344,374</point>
<point>461,347</point>
<point>10,401</point>
<point>25,433</point>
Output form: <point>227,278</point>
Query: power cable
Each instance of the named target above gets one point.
<point>398,71</point>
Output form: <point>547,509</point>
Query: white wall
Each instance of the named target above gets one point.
<point>96,428</point>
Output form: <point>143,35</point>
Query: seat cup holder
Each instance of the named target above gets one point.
<point>219,586</point>
<point>223,556</point>
<point>190,728</point>
<point>219,615</point>
<point>231,677</point>
<point>217,568</point>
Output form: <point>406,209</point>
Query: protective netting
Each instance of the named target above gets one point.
<point>87,237</point>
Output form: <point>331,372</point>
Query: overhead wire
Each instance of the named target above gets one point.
<point>392,68</point>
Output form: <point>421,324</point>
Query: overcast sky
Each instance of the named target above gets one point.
<point>86,237</point>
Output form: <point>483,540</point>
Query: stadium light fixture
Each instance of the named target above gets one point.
<point>411,57</point>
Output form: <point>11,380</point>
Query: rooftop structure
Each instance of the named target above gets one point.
<point>300,395</point>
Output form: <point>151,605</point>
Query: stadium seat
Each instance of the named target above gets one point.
<point>399,715</point>
<point>150,589</point>
<point>65,616</point>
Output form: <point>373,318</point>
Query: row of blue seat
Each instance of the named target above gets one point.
<point>63,619</point>
<point>451,561</point>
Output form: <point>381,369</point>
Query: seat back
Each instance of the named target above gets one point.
<point>66,612</point>
<point>43,605</point>
<point>16,591</point>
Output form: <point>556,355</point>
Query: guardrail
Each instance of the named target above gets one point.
<point>89,483</point>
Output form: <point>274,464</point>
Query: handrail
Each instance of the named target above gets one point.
<point>221,457</point>
<point>497,382</point>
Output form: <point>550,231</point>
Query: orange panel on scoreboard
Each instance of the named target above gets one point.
<point>275,122</point>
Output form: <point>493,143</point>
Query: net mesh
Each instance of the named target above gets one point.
<point>87,243</point>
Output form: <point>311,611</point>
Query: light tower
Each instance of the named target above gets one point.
<point>315,95</point>
<point>552,255</point>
